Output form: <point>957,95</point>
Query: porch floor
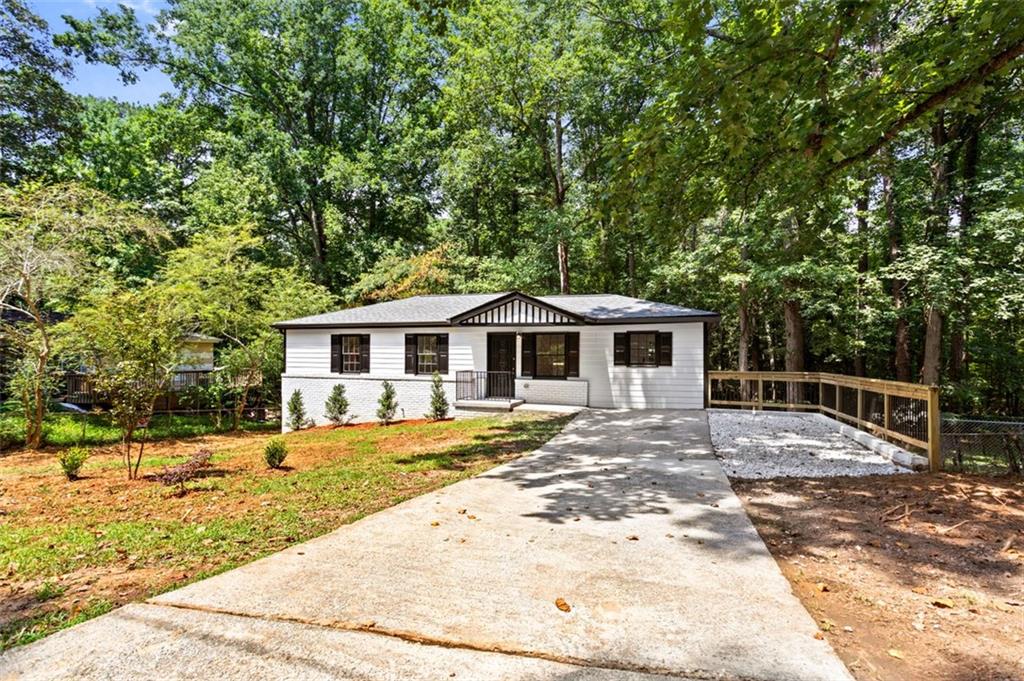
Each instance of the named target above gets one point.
<point>489,404</point>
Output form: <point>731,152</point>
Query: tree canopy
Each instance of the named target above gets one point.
<point>842,180</point>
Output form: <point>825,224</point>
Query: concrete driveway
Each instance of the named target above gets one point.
<point>625,516</point>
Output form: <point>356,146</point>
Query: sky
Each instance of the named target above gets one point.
<point>98,79</point>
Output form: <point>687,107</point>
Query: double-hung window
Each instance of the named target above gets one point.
<point>551,356</point>
<point>426,353</point>
<point>350,353</point>
<point>643,349</point>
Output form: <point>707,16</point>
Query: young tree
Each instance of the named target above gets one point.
<point>131,342</point>
<point>224,282</point>
<point>57,243</point>
<point>336,407</point>
<point>387,405</point>
<point>297,419</point>
<point>438,400</point>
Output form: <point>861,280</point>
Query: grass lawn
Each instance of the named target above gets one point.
<point>64,429</point>
<point>73,550</point>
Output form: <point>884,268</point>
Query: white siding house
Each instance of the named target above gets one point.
<point>503,348</point>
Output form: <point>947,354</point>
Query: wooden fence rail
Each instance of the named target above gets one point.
<point>904,413</point>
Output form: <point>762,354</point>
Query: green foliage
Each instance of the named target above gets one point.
<point>71,461</point>
<point>438,400</point>
<point>336,407</point>
<point>132,341</point>
<point>297,419</point>
<point>274,452</point>
<point>37,113</point>
<point>387,405</point>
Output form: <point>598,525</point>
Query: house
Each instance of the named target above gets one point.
<point>500,349</point>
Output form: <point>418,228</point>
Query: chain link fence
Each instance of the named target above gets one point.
<point>981,445</point>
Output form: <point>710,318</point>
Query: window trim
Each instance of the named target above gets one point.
<point>565,357</point>
<point>412,354</point>
<point>361,340</point>
<point>622,346</point>
<point>630,335</point>
<point>420,353</point>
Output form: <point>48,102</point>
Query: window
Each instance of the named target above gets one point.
<point>551,355</point>
<point>351,362</point>
<point>426,354</point>
<point>350,353</point>
<point>643,349</point>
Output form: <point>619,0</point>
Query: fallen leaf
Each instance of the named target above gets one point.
<point>895,653</point>
<point>471,517</point>
<point>462,511</point>
<point>821,586</point>
<point>943,603</point>
<point>633,537</point>
<point>820,636</point>
<point>920,590</point>
<point>826,625</point>
<point>434,524</point>
<point>562,605</point>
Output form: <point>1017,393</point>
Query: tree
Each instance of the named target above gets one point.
<point>438,400</point>
<point>224,283</point>
<point>58,243</point>
<point>336,407</point>
<point>37,113</point>
<point>130,343</point>
<point>330,99</point>
<point>297,419</point>
<point>387,405</point>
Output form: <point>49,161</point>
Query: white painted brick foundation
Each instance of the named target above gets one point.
<point>546,391</point>
<point>413,396</point>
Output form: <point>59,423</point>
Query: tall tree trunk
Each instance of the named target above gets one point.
<point>897,286</point>
<point>794,346</point>
<point>937,228</point>
<point>862,269</point>
<point>559,196</point>
<point>958,352</point>
<point>631,267</point>
<point>563,266</point>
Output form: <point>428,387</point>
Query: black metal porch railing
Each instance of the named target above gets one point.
<point>484,385</point>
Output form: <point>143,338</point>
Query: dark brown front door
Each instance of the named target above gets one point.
<point>501,365</point>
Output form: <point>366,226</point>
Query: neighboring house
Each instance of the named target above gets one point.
<point>194,369</point>
<point>501,349</point>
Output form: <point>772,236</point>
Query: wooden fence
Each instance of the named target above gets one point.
<point>904,413</point>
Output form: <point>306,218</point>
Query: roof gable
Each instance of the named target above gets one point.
<point>516,308</point>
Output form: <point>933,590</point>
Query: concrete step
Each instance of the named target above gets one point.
<point>488,405</point>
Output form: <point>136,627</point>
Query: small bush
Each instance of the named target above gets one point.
<point>438,400</point>
<point>183,472</point>
<point>275,452</point>
<point>296,411</point>
<point>336,407</point>
<point>387,404</point>
<point>71,460</point>
<point>49,590</point>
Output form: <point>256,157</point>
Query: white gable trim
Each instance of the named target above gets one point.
<point>518,312</point>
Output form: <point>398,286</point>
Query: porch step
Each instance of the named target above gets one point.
<point>488,405</point>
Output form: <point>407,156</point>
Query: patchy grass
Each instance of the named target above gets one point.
<point>71,550</point>
<point>63,429</point>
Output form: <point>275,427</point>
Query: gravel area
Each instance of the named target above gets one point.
<point>778,445</point>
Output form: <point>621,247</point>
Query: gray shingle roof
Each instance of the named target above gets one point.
<point>437,310</point>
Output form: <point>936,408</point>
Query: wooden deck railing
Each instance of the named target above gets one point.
<point>904,413</point>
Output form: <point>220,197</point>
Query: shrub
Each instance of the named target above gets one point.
<point>296,411</point>
<point>275,452</point>
<point>183,472</point>
<point>438,400</point>
<point>336,407</point>
<point>71,461</point>
<point>387,404</point>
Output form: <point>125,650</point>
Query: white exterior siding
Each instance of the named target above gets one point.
<point>600,383</point>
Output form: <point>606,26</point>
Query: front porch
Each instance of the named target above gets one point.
<point>504,391</point>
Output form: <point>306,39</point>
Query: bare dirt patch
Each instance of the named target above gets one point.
<point>910,576</point>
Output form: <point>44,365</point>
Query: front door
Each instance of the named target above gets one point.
<point>501,365</point>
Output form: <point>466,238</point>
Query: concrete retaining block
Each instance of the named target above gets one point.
<point>894,453</point>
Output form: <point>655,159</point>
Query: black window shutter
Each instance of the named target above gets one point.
<point>364,353</point>
<point>410,353</point>
<point>664,349</point>
<point>621,356</point>
<point>442,353</point>
<point>529,353</point>
<point>572,354</point>
<point>335,354</point>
